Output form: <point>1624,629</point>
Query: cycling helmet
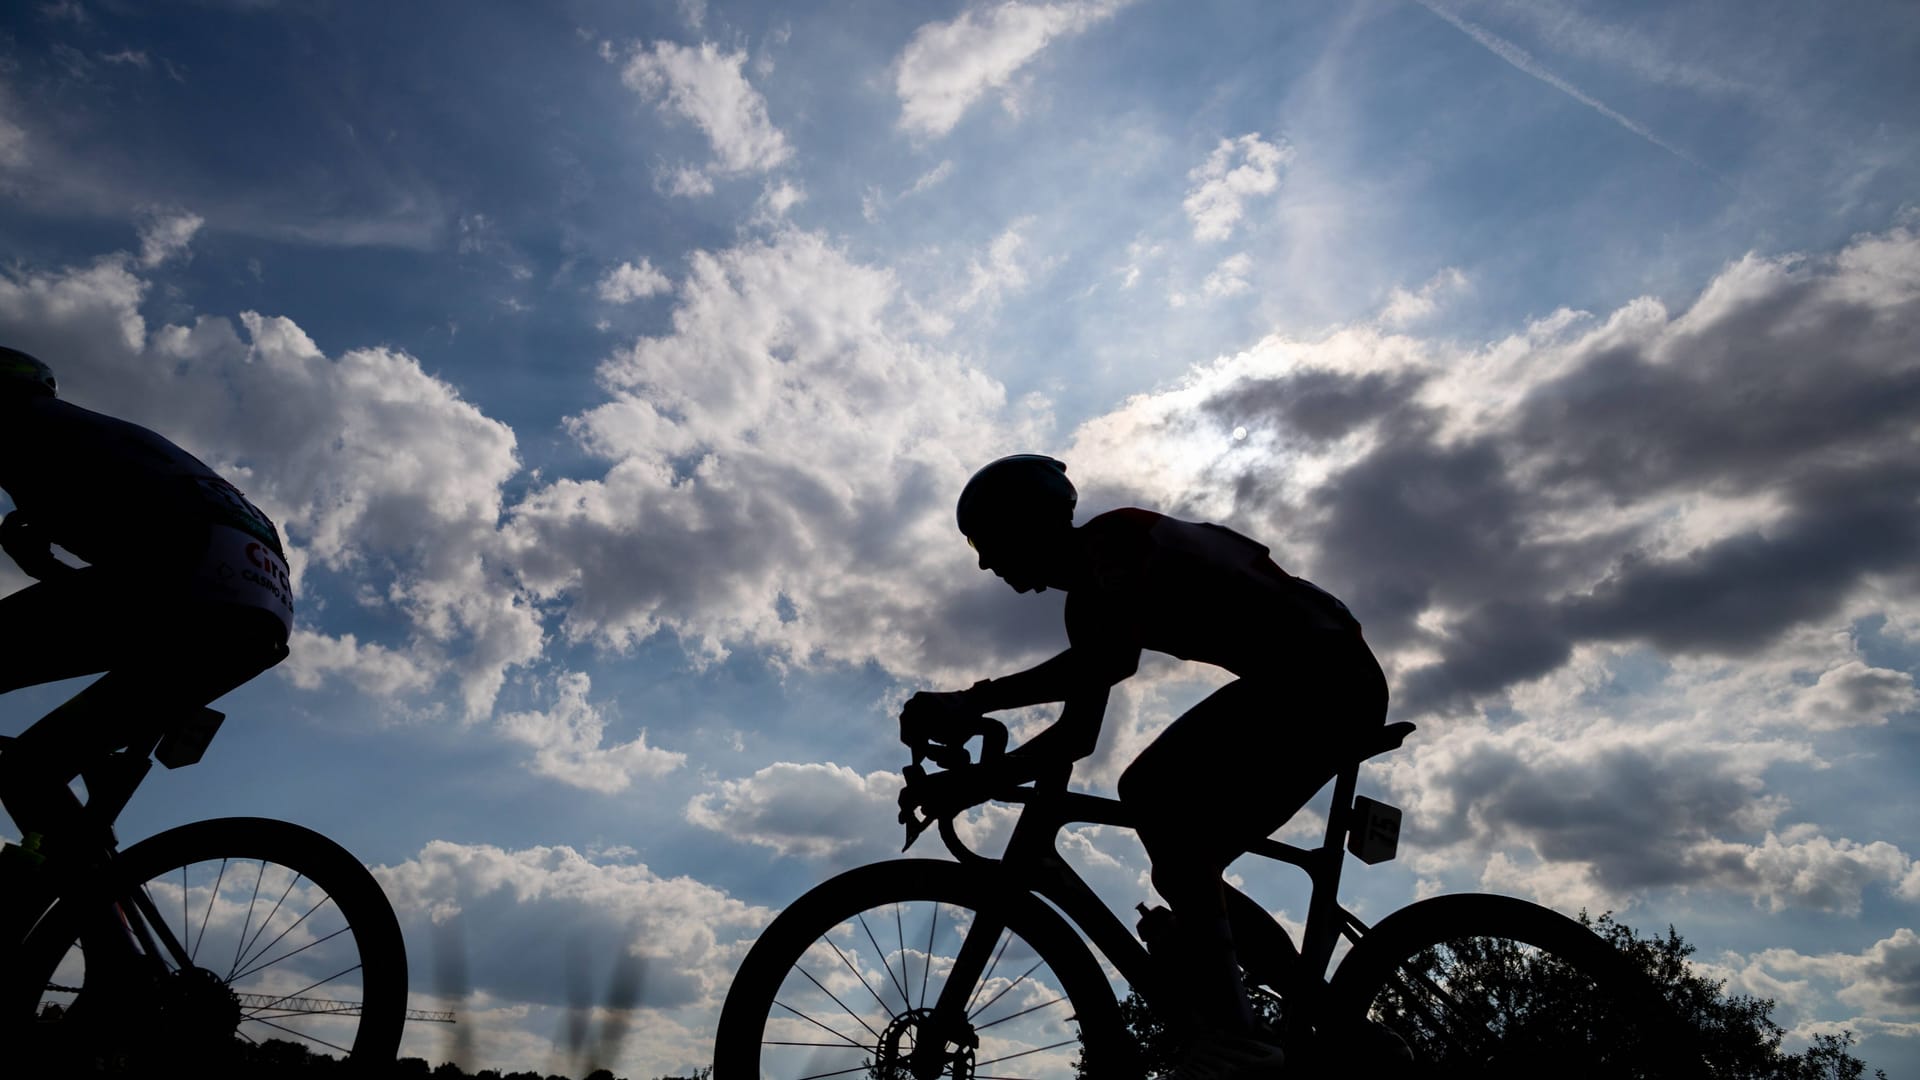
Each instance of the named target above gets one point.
<point>1016,493</point>
<point>20,372</point>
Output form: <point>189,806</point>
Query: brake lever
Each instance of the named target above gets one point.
<point>915,824</point>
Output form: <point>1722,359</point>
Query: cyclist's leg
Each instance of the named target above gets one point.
<point>57,629</point>
<point>1231,770</point>
<point>165,662</point>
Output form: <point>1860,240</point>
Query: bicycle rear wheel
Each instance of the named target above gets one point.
<point>218,941</point>
<point>844,984</point>
<point>1492,986</point>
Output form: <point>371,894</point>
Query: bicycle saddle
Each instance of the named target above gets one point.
<point>1387,738</point>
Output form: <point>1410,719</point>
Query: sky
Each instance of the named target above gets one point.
<point>612,368</point>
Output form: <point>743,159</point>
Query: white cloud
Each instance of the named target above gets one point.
<point>1403,307</point>
<point>709,88</point>
<point>1230,277</point>
<point>1004,271</point>
<point>780,470</point>
<point>936,175</point>
<point>947,66</point>
<point>568,743</point>
<point>820,811</point>
<point>1883,980</point>
<point>627,282</point>
<point>1237,170</point>
<point>776,199</point>
<point>373,669</point>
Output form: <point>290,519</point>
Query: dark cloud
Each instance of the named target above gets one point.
<point>1321,405</point>
<point>1505,544</point>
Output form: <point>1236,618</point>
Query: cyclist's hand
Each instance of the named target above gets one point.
<point>29,548</point>
<point>942,719</point>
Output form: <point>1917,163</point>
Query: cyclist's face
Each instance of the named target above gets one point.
<point>1011,560</point>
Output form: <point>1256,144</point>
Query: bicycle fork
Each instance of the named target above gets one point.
<point>949,1033</point>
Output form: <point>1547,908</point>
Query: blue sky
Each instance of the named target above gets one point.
<point>611,369</point>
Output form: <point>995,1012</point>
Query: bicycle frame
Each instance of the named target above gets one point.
<point>111,783</point>
<point>1031,863</point>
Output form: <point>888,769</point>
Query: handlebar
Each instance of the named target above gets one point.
<point>950,756</point>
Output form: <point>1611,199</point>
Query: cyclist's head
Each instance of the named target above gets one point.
<point>23,375</point>
<point>1011,512</point>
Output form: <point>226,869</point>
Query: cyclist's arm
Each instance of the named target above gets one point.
<point>1081,678</point>
<point>1073,671</point>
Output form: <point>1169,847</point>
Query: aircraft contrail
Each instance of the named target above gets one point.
<point>1523,60</point>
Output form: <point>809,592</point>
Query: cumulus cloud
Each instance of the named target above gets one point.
<point>568,742</point>
<point>627,282</point>
<point>808,810</point>
<point>779,470</point>
<point>709,88</point>
<point>1236,170</point>
<point>374,669</point>
<point>947,66</point>
<point>1882,981</point>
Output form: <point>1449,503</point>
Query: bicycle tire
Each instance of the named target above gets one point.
<point>1493,986</point>
<point>784,993</point>
<point>285,928</point>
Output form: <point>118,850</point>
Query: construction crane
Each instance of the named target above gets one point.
<point>261,1005</point>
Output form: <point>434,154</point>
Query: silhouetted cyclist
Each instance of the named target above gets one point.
<point>1231,770</point>
<point>185,594</point>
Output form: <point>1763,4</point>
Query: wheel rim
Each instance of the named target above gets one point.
<point>859,1002</point>
<point>270,956</point>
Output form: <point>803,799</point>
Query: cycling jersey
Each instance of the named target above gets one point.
<point>1195,591</point>
<point>126,499</point>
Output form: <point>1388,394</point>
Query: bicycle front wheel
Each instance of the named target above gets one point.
<point>1492,986</point>
<point>223,940</point>
<point>845,982</point>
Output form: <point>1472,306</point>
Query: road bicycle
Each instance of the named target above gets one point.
<point>189,945</point>
<point>912,969</point>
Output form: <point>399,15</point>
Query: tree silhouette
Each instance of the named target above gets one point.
<point>1736,1033</point>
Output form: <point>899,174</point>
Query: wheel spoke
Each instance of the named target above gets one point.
<point>283,956</point>
<point>193,949</point>
<point>858,974</point>
<point>264,923</point>
<point>1006,988</point>
<point>843,1038</point>
<point>303,1035</point>
<point>317,982</point>
<point>927,968</point>
<point>281,936</point>
<point>239,943</point>
<point>1006,938</point>
<point>1022,1012</point>
<point>882,954</point>
<point>836,1000</point>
